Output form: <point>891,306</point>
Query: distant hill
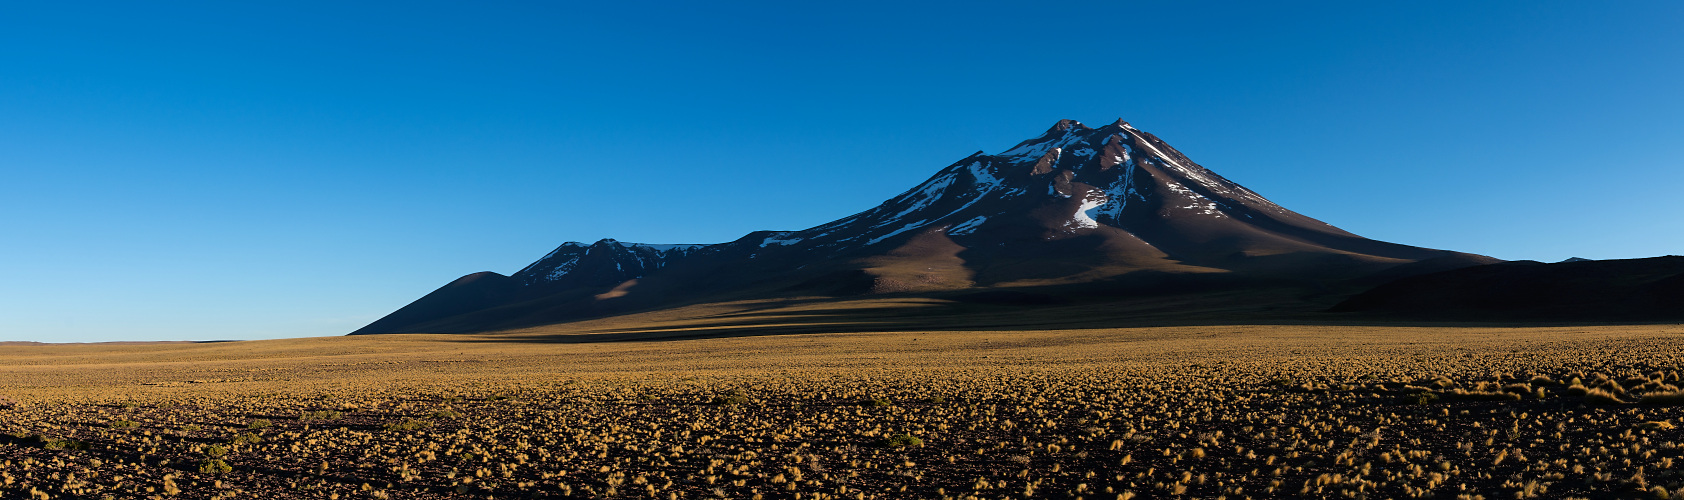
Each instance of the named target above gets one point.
<point>1077,215</point>
<point>1626,290</point>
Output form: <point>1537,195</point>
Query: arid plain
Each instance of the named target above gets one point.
<point>1244,411</point>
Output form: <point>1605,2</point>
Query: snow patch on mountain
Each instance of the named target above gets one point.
<point>1034,151</point>
<point>1125,159</point>
<point>1116,198</point>
<point>661,247</point>
<point>968,226</point>
<point>1209,208</point>
<point>985,184</point>
<point>1199,174</point>
<point>564,246</point>
<point>1083,218</point>
<point>562,269</point>
<point>780,239</point>
<point>1052,190</point>
<point>903,229</point>
<point>923,195</point>
<point>985,180</point>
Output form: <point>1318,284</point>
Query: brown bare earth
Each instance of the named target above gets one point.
<point>1244,411</point>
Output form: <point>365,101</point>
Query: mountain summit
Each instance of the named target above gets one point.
<point>1076,214</point>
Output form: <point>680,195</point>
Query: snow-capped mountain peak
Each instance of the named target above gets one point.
<point>1071,180</point>
<point>1075,204</point>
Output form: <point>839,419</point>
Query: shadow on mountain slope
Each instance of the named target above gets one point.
<point>983,311</point>
<point>1624,290</point>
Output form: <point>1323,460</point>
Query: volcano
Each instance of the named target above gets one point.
<point>1105,222</point>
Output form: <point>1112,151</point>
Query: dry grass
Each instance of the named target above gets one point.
<point>1669,398</point>
<point>1235,412</point>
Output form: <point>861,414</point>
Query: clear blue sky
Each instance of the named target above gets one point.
<point>218,170</point>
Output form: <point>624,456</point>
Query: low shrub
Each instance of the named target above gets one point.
<point>1674,398</point>
<point>1466,395</point>
<point>214,466</point>
<point>1602,397</point>
<point>61,444</point>
<point>1521,390</point>
<point>1661,425</point>
<point>902,441</point>
<point>735,397</point>
<point>1308,387</point>
<point>407,424</point>
<point>246,438</point>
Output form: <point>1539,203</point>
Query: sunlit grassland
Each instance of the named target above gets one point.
<point>1200,412</point>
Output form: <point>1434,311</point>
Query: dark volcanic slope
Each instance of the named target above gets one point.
<point>1649,289</point>
<point>1077,212</point>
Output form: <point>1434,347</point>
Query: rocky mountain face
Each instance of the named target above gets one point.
<point>1077,211</point>
<point>604,263</point>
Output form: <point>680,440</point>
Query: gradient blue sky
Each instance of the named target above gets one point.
<point>218,170</point>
